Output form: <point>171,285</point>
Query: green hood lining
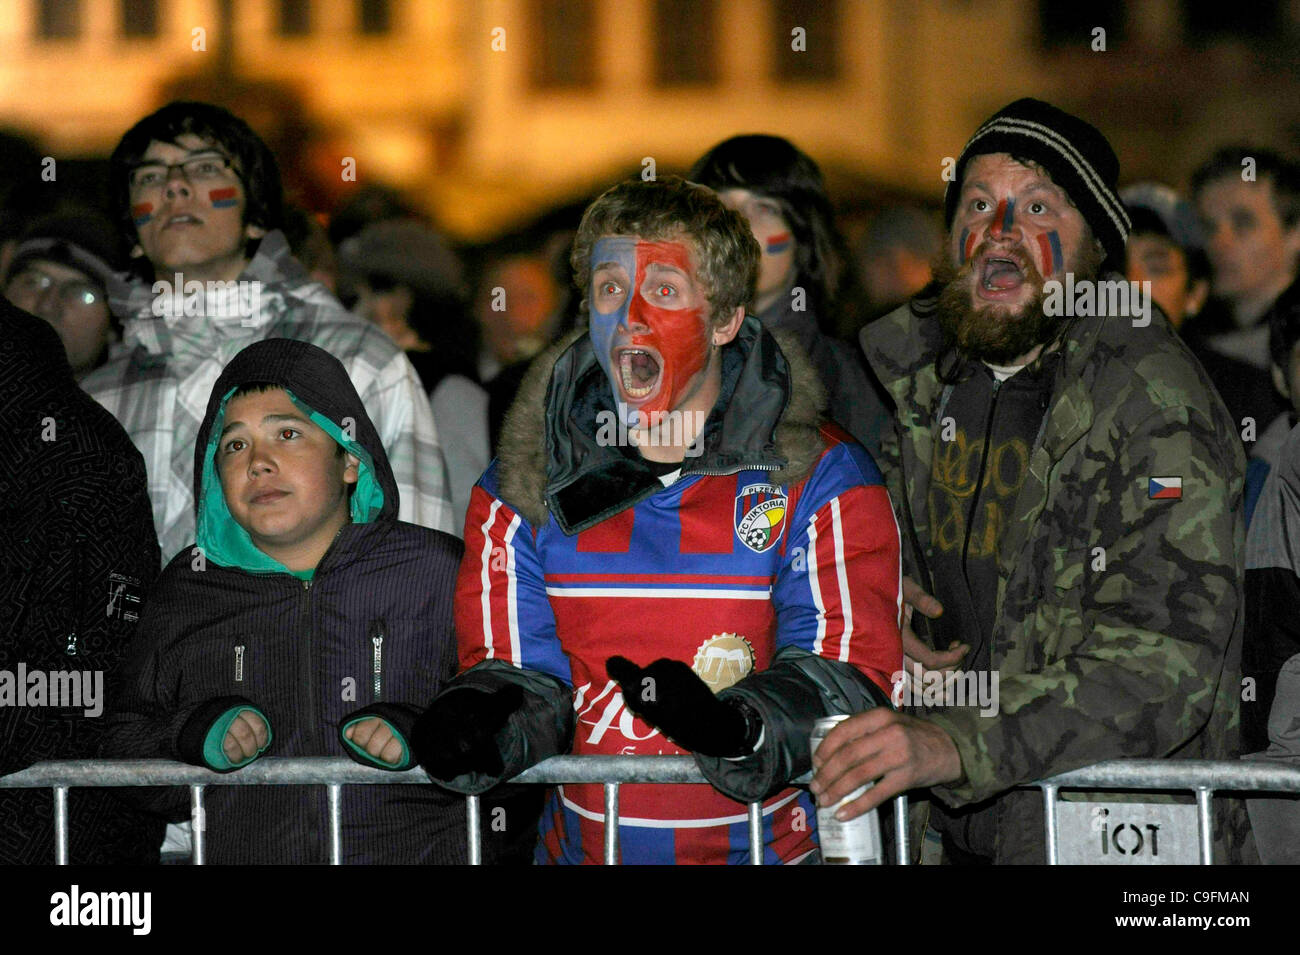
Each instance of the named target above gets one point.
<point>226,543</point>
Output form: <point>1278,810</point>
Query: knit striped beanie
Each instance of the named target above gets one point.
<point>1074,153</point>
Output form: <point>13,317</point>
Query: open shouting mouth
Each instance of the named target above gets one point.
<point>639,372</point>
<point>1001,277</point>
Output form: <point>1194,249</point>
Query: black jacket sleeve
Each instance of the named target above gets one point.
<point>58,568</point>
<point>790,696</point>
<point>538,730</point>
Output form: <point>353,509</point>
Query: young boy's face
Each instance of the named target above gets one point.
<point>649,322</point>
<point>190,219</point>
<point>283,478</point>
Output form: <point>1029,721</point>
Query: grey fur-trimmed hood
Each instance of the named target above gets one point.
<point>768,417</point>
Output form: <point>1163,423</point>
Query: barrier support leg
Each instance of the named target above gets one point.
<point>611,823</point>
<point>60,825</point>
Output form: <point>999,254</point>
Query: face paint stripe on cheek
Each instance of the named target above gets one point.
<point>967,245</point>
<point>1049,246</point>
<point>141,213</point>
<point>224,198</point>
<point>778,243</point>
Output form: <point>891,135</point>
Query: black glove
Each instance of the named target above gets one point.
<point>457,733</point>
<point>670,697</point>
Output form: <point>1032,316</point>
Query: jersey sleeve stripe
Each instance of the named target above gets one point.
<point>842,578</point>
<point>512,593</point>
<point>814,585</point>
<point>485,591</point>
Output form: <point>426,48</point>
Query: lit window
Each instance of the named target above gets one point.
<point>805,40</point>
<point>295,18</point>
<point>685,38</point>
<point>140,18</point>
<point>560,55</point>
<point>58,19</point>
<point>374,17</point>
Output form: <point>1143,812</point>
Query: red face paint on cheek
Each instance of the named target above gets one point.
<point>141,213</point>
<point>224,198</point>
<point>679,335</point>
<point>778,243</point>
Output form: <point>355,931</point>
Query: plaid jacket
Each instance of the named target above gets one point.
<point>158,384</point>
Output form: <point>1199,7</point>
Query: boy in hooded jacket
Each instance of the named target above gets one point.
<point>306,621</point>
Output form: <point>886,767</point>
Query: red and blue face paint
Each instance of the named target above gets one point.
<point>1049,247</point>
<point>141,213</point>
<point>777,243</point>
<point>669,346</point>
<point>1005,217</point>
<point>225,198</point>
<point>967,245</point>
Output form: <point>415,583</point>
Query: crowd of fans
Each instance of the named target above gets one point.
<point>400,428</point>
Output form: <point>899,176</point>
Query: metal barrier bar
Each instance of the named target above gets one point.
<point>902,837</point>
<point>198,827</point>
<point>1204,824</point>
<point>475,835</point>
<point>611,823</point>
<point>1049,812</point>
<point>334,796</point>
<point>60,825</point>
<point>1203,777</point>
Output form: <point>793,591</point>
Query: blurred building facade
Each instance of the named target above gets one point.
<point>486,110</point>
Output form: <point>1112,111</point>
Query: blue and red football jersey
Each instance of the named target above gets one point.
<point>720,572</point>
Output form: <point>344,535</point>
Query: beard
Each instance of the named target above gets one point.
<point>995,333</point>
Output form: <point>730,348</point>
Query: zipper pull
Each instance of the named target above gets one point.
<point>377,657</point>
<point>239,664</point>
<point>71,648</point>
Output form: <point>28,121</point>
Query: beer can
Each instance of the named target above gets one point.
<point>856,842</point>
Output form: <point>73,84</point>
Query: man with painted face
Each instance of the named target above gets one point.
<point>198,197</point>
<point>674,552</point>
<point>1071,488</point>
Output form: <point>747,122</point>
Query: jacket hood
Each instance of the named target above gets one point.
<point>768,417</point>
<point>318,384</point>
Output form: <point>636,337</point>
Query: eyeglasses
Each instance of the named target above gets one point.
<point>205,167</point>
<point>30,285</point>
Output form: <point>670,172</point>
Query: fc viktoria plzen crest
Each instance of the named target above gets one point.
<point>760,516</point>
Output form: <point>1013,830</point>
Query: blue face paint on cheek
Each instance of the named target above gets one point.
<point>604,325</point>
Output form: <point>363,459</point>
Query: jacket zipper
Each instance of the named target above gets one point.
<point>979,480</point>
<point>71,648</point>
<point>239,664</point>
<point>311,727</point>
<point>377,657</point>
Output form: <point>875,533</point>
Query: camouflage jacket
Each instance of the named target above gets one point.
<point>1132,650</point>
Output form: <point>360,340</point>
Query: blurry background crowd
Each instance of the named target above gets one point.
<point>475,131</point>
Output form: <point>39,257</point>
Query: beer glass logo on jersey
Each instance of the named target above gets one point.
<point>723,660</point>
<point>760,515</point>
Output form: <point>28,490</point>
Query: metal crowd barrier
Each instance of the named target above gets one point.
<point>1201,777</point>
<point>336,772</point>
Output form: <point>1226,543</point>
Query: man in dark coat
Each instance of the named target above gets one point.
<point>77,552</point>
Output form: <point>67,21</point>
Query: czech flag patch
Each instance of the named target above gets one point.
<point>1165,488</point>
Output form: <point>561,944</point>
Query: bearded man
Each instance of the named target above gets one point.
<point>1069,489</point>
